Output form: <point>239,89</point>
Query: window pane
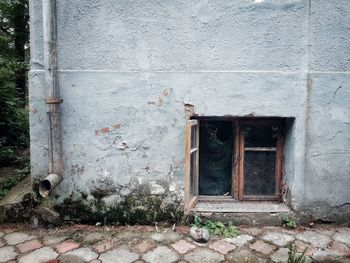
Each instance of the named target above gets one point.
<point>258,135</point>
<point>193,136</point>
<point>259,173</point>
<point>193,171</point>
<point>215,158</point>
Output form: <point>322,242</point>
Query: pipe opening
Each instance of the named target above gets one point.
<point>48,184</point>
<point>44,188</point>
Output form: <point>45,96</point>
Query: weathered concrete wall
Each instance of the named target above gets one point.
<point>128,68</point>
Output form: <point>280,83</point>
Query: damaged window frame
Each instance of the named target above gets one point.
<point>239,124</point>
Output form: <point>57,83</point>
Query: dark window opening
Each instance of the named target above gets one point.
<point>237,158</point>
<point>259,173</point>
<point>215,157</point>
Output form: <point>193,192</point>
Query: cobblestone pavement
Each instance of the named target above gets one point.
<point>82,243</point>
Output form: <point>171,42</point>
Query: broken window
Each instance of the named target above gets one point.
<point>215,162</point>
<point>233,158</point>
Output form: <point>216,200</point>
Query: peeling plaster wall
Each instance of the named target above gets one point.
<point>128,67</point>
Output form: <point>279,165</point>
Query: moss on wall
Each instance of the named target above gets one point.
<point>133,209</point>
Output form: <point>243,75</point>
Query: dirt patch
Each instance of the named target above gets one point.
<point>7,171</point>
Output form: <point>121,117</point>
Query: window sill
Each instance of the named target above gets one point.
<point>231,206</point>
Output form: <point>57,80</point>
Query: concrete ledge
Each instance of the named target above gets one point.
<point>244,213</point>
<point>241,207</point>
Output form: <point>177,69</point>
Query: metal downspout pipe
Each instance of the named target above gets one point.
<point>53,100</point>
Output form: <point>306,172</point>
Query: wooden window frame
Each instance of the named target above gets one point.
<point>237,187</point>
<point>278,163</point>
<point>191,151</point>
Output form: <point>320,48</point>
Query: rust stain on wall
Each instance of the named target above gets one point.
<point>102,131</point>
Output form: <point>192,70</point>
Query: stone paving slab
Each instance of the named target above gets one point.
<point>246,255</point>
<point>106,245</point>
<point>281,255</point>
<point>7,253</point>
<point>167,237</point>
<point>50,240</point>
<point>85,253</point>
<point>183,246</point>
<point>119,255</point>
<point>278,238</point>
<point>2,243</point>
<point>203,255</point>
<point>240,240</point>
<point>161,254</point>
<point>342,237</point>
<point>305,248</point>
<point>145,244</point>
<point>66,246</point>
<point>222,246</point>
<point>17,237</point>
<point>29,245</point>
<point>314,238</point>
<point>38,256</point>
<point>262,247</point>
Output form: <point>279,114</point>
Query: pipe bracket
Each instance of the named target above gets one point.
<point>53,101</point>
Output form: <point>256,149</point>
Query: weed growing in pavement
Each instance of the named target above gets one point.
<point>216,227</point>
<point>289,222</point>
<point>294,257</point>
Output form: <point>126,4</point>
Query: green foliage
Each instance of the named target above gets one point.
<point>293,256</point>
<point>289,222</point>
<point>216,227</point>
<point>7,183</point>
<point>14,125</point>
<point>197,221</point>
<point>14,134</point>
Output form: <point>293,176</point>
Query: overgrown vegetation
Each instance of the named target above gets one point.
<point>288,222</point>
<point>216,227</point>
<point>13,70</point>
<point>8,182</point>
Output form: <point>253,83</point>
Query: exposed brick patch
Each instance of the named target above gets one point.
<point>262,247</point>
<point>66,246</point>
<point>29,245</point>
